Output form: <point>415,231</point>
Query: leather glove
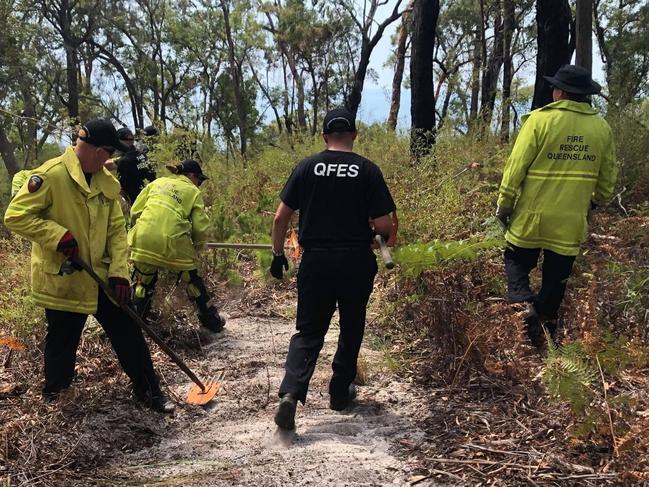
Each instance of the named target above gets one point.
<point>121,289</point>
<point>68,246</point>
<point>279,262</point>
<point>504,216</point>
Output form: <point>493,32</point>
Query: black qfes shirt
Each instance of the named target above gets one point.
<point>336,193</point>
<point>134,171</point>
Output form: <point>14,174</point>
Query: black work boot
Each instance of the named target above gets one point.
<point>285,415</point>
<point>158,402</point>
<point>343,402</point>
<point>211,320</point>
<point>533,326</point>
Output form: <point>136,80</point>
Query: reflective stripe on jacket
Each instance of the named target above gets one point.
<point>65,202</point>
<point>563,158</point>
<point>168,221</point>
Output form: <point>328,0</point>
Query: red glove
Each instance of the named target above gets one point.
<point>121,289</point>
<point>68,246</point>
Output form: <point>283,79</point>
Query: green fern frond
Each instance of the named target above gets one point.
<point>416,258</point>
<point>569,376</point>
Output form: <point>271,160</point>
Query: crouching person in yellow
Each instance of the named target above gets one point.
<point>68,208</point>
<point>561,167</point>
<point>168,226</point>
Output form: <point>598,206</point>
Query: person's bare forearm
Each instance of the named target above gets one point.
<point>279,235</point>
<point>280,227</point>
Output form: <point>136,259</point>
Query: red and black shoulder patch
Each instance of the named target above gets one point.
<point>34,184</point>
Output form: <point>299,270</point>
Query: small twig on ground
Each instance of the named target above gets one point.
<point>459,367</point>
<point>616,453</point>
<point>478,462</point>
<point>267,389</point>
<point>618,198</point>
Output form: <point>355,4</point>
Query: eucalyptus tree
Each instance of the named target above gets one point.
<point>370,27</point>
<point>555,44</point>
<point>31,78</point>
<point>425,14</point>
<point>622,31</point>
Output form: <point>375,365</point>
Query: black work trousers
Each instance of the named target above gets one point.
<point>556,269</point>
<point>64,330</point>
<point>328,277</point>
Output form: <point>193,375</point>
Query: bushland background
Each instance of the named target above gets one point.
<point>242,86</point>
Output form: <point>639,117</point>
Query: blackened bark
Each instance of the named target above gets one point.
<point>236,74</point>
<point>492,72</point>
<point>424,23</point>
<point>400,63</point>
<point>508,29</point>
<point>583,34</point>
<point>475,77</point>
<point>554,26</point>
<point>353,99</point>
<point>8,154</point>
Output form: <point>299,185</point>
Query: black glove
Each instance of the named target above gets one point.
<point>121,289</point>
<point>504,216</point>
<point>68,246</point>
<point>279,261</point>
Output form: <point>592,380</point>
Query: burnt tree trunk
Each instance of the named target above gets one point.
<point>400,63</point>
<point>7,153</point>
<point>475,78</point>
<point>424,24</point>
<point>508,29</point>
<point>583,34</point>
<point>555,45</point>
<point>492,73</point>
<point>236,74</point>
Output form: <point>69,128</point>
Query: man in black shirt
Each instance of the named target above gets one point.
<point>134,170</point>
<point>337,192</point>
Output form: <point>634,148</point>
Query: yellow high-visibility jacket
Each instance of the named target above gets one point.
<point>18,180</point>
<point>168,223</point>
<point>64,202</point>
<point>563,158</point>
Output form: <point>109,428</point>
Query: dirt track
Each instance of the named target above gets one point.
<point>234,442</point>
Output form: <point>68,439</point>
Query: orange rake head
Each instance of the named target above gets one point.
<point>200,397</point>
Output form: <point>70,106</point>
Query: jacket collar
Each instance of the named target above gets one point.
<point>101,182</point>
<point>182,177</point>
<point>573,106</point>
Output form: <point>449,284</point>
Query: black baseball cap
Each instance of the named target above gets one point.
<point>189,166</point>
<point>124,133</point>
<point>338,120</point>
<point>150,131</point>
<point>575,80</point>
<point>101,133</point>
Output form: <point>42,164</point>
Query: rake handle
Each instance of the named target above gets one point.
<point>233,245</point>
<point>141,323</point>
<point>385,252</point>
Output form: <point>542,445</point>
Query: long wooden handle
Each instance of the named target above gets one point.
<point>385,252</point>
<point>231,245</point>
<point>142,324</point>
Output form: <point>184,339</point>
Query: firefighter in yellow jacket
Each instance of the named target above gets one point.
<point>561,167</point>
<point>68,208</point>
<point>168,226</point>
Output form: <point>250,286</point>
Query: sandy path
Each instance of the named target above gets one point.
<point>234,442</point>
